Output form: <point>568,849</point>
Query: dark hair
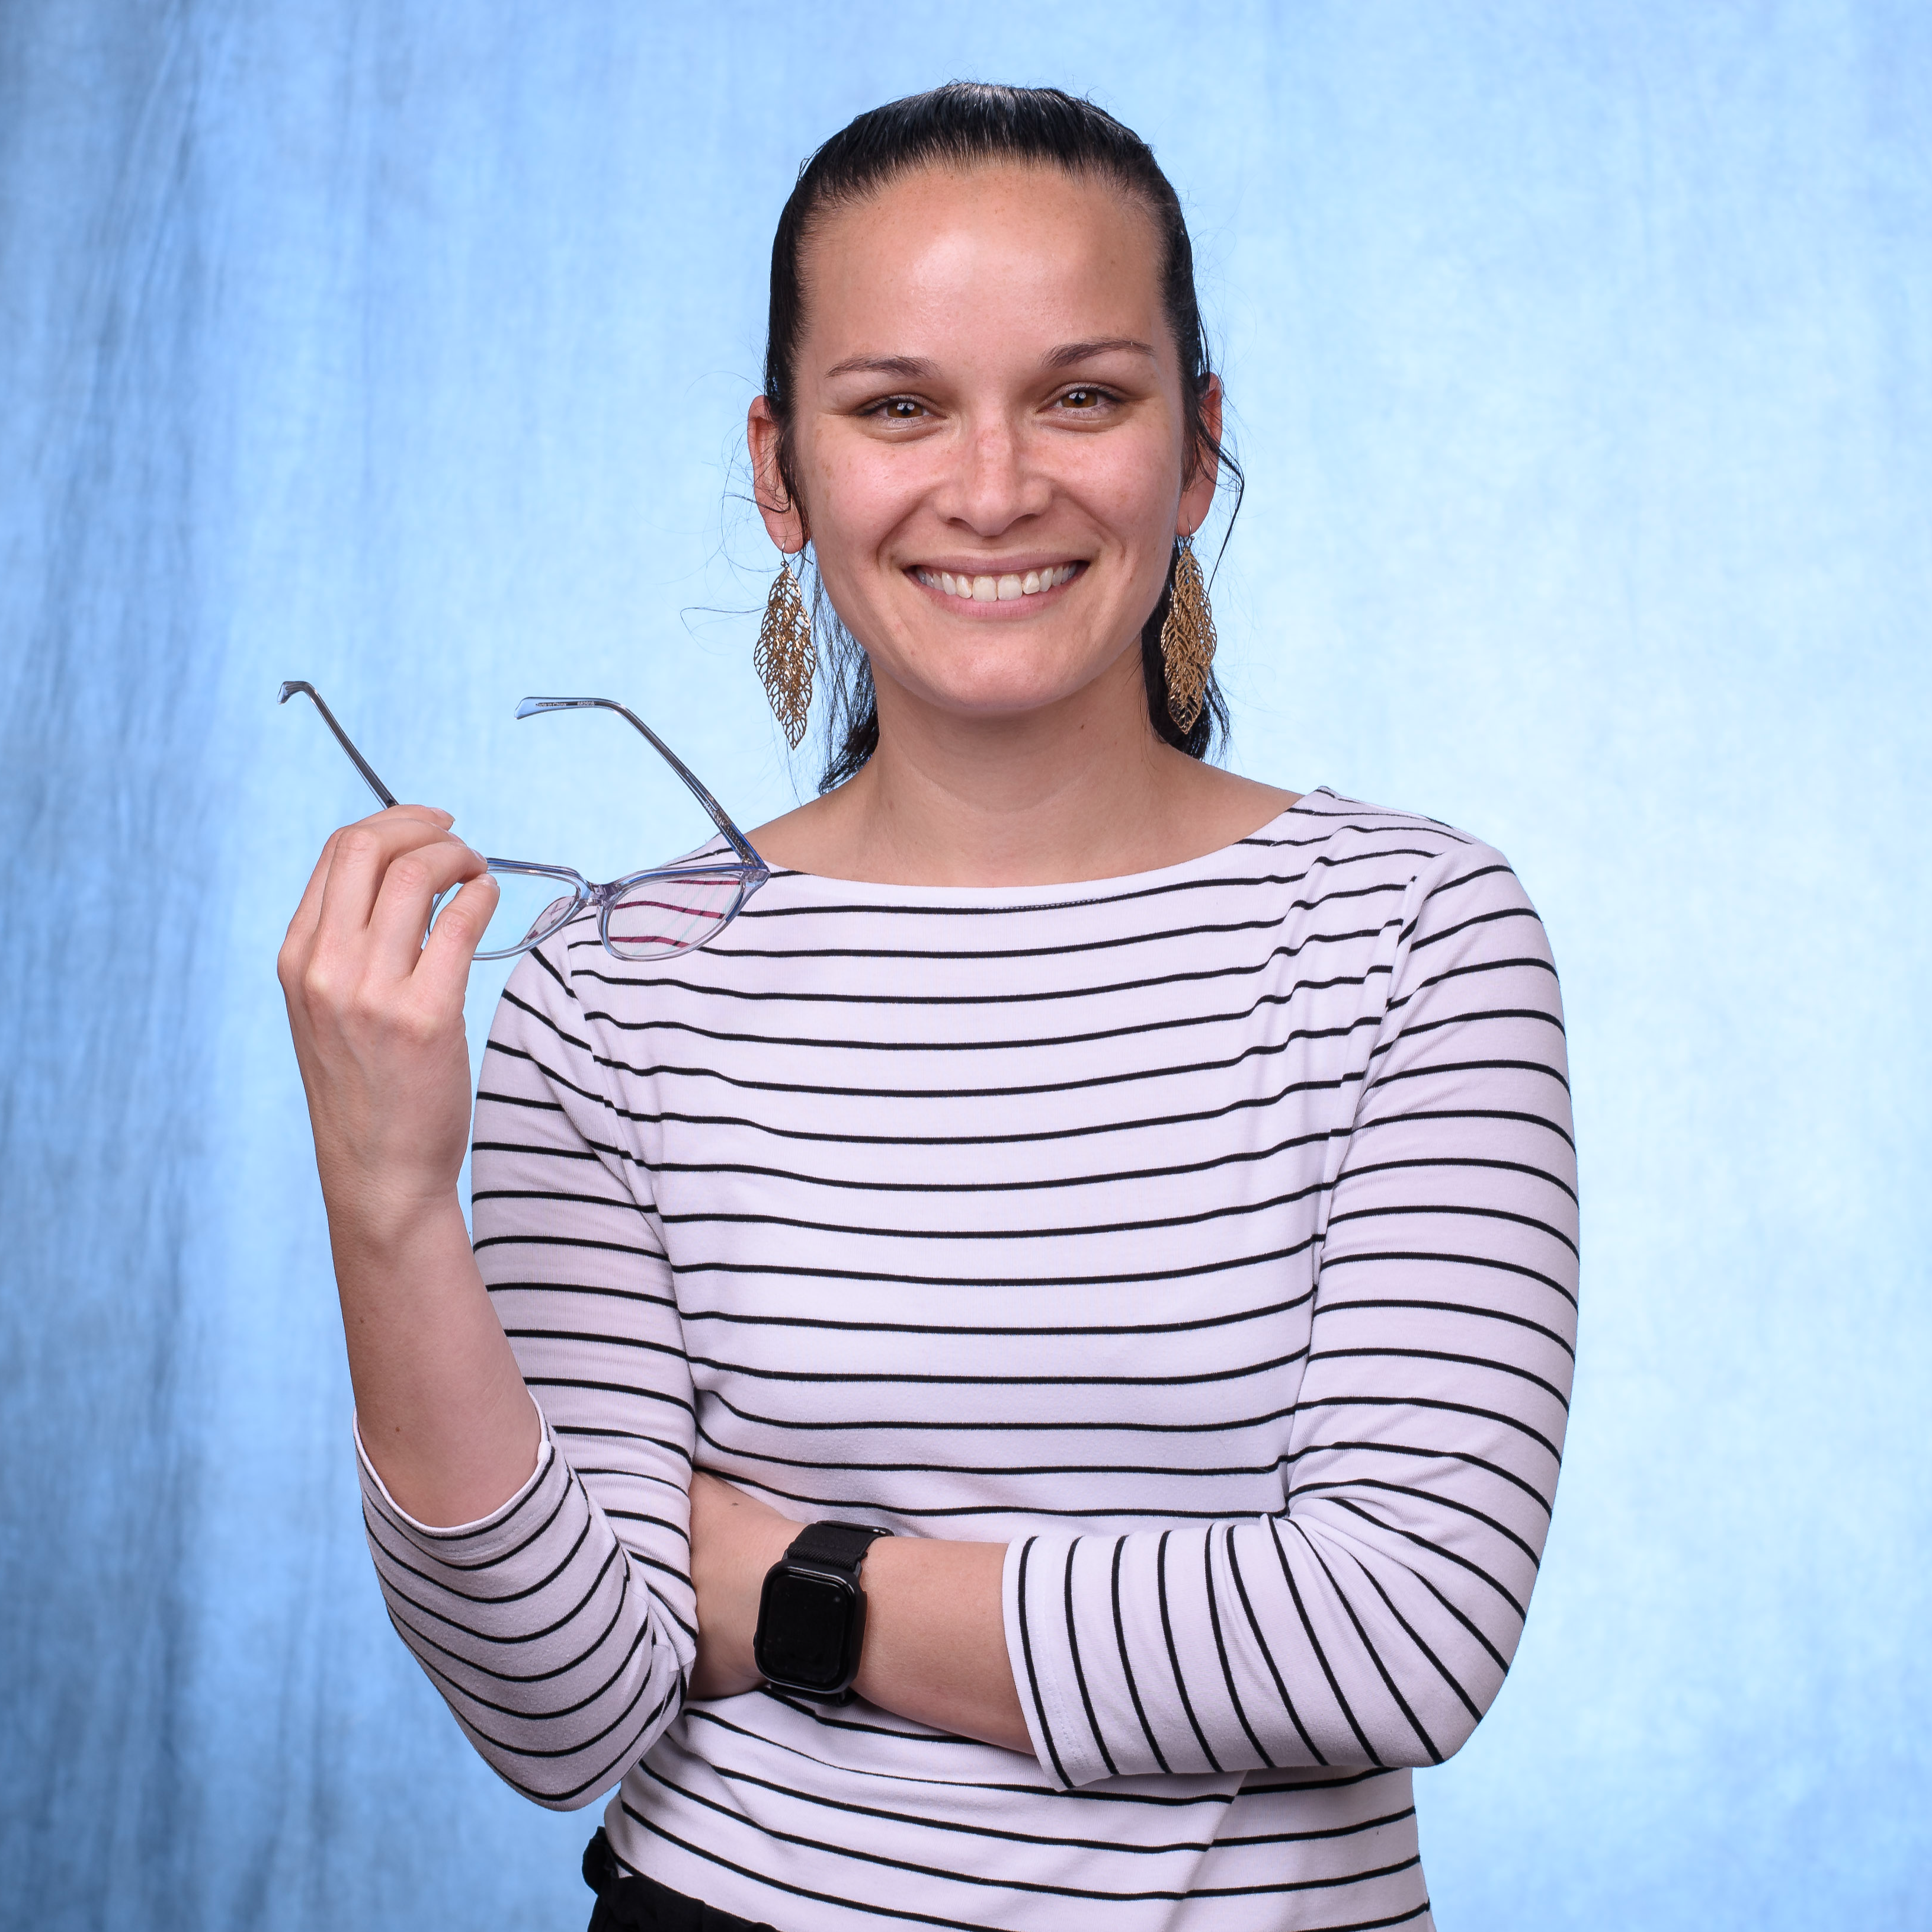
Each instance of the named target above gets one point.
<point>959,124</point>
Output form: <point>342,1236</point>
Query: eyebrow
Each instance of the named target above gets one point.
<point>909,368</point>
<point>1079,351</point>
<point>917,368</point>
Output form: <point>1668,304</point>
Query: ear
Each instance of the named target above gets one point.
<point>784,524</point>
<point>1197,495</point>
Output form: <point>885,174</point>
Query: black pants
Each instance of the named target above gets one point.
<point>643,1905</point>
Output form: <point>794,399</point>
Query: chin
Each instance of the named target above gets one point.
<point>1004,679</point>
<point>1003,683</point>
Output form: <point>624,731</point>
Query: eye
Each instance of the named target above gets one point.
<point>1084,400</point>
<point>899,409</point>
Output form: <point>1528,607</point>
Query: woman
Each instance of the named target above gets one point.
<point>1146,1194</point>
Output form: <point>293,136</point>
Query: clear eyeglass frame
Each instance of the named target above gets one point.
<point>656,913</point>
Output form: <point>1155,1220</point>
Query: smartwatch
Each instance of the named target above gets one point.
<point>811,1613</point>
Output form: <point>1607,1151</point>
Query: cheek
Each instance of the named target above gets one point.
<point>859,495</point>
<point>1129,481</point>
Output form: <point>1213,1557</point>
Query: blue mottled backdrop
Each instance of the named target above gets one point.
<point>1581,359</point>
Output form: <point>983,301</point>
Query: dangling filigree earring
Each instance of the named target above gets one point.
<point>785,659</point>
<point>1187,640</point>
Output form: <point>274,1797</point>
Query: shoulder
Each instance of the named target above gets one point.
<point>1339,846</point>
<point>1330,831</point>
<point>539,1002</point>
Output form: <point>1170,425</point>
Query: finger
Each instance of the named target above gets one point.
<point>442,966</point>
<point>412,882</point>
<point>299,942</point>
<point>363,854</point>
<point>300,935</point>
<point>308,912</point>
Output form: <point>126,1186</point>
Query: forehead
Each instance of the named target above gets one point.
<point>996,250</point>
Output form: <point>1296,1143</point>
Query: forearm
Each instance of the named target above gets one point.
<point>936,1639</point>
<point>440,1405</point>
<point>561,1631</point>
<point>935,1648</point>
<point>376,1014</point>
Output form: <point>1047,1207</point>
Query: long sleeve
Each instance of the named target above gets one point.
<point>561,1629</point>
<point>1369,1621</point>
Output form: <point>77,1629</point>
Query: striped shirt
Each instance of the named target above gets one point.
<point>1207,1236</point>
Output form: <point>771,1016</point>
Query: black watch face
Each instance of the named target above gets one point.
<point>802,1632</point>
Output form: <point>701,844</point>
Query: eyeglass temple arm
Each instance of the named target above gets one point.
<point>362,764</point>
<point>740,844</point>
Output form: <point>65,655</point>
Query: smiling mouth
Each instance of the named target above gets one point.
<point>1000,589</point>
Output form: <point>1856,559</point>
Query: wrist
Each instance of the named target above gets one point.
<point>384,1220</point>
<point>768,1544</point>
<point>735,1541</point>
<point>812,1611</point>
<point>883,1577</point>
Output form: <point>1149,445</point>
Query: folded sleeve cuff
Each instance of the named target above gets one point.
<point>490,1538</point>
<point>1037,1647</point>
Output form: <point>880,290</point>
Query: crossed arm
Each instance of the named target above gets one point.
<point>441,1407</point>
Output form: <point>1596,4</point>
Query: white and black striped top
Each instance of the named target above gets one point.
<point>1208,1235</point>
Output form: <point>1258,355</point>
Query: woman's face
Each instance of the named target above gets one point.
<point>989,437</point>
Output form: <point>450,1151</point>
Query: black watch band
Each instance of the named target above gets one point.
<point>834,1546</point>
<point>811,1613</point>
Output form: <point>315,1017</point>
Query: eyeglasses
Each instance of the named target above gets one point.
<point>654,914</point>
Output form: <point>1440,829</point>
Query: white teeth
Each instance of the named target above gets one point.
<point>1001,589</point>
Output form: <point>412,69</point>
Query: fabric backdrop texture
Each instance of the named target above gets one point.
<point>1580,359</point>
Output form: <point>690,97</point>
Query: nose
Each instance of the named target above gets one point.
<point>996,481</point>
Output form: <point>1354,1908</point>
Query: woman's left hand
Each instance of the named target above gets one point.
<point>735,1539</point>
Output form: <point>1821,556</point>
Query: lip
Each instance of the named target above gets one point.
<point>1020,562</point>
<point>996,569</point>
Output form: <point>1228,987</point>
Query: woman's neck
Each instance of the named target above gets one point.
<point>1078,790</point>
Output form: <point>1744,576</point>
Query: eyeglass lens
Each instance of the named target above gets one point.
<point>653,918</point>
<point>527,909</point>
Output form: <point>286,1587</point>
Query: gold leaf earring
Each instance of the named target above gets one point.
<point>1187,640</point>
<point>785,658</point>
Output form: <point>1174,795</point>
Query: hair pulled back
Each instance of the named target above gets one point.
<point>961,123</point>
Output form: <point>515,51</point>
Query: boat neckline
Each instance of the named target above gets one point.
<point>1066,892</point>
